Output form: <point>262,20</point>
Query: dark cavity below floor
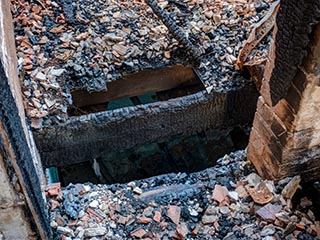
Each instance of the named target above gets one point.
<point>178,154</point>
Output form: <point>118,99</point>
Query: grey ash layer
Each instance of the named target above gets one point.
<point>90,43</point>
<point>141,40</point>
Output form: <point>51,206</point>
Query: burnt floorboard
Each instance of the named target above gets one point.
<point>85,137</point>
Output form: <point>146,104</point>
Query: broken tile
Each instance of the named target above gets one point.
<point>291,188</point>
<point>182,230</point>
<point>138,233</point>
<point>219,193</point>
<point>260,193</point>
<point>157,216</point>
<point>144,220</point>
<point>173,212</point>
<point>269,211</point>
<point>53,189</point>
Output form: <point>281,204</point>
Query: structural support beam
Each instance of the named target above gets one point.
<point>147,81</point>
<point>84,138</point>
<point>294,23</point>
<point>285,139</point>
<point>20,168</point>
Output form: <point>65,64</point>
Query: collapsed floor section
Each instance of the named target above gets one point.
<point>222,202</point>
<point>178,154</point>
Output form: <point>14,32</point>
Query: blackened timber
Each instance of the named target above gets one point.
<point>13,144</point>
<point>16,150</point>
<point>295,21</point>
<point>288,143</point>
<point>147,81</point>
<point>84,138</point>
<point>175,30</point>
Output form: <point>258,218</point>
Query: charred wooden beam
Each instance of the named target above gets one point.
<point>177,190</point>
<point>175,30</point>
<point>84,138</point>
<point>137,84</point>
<point>294,24</point>
<point>25,218</point>
<point>16,157</point>
<point>285,139</point>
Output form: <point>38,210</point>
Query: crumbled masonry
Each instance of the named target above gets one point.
<point>212,204</point>
<point>65,45</point>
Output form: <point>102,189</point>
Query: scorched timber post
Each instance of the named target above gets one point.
<point>23,212</point>
<point>285,138</point>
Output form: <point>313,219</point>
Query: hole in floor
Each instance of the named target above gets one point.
<point>147,86</point>
<point>178,154</point>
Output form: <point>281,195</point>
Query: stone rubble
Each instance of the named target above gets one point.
<point>215,207</point>
<point>65,45</point>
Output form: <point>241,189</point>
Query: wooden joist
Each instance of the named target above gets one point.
<point>147,81</point>
<point>85,137</point>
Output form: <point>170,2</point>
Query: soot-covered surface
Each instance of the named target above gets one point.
<point>228,201</point>
<point>11,122</point>
<point>295,22</point>
<point>64,45</point>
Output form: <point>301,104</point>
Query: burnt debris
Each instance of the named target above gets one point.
<point>87,44</point>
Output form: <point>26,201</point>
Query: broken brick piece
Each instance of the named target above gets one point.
<point>260,193</point>
<point>144,220</point>
<point>182,230</point>
<point>242,192</point>
<point>157,216</point>
<point>177,236</point>
<point>94,215</point>
<point>219,193</point>
<point>138,233</point>
<point>174,213</point>
<point>53,189</point>
<point>196,230</point>
<point>163,225</point>
<point>122,220</point>
<point>54,204</point>
<point>291,188</point>
<point>269,211</point>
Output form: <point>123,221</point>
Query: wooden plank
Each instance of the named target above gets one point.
<point>84,138</point>
<point>17,151</point>
<point>147,81</point>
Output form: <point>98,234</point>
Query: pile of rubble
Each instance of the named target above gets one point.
<point>222,202</point>
<point>65,44</point>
